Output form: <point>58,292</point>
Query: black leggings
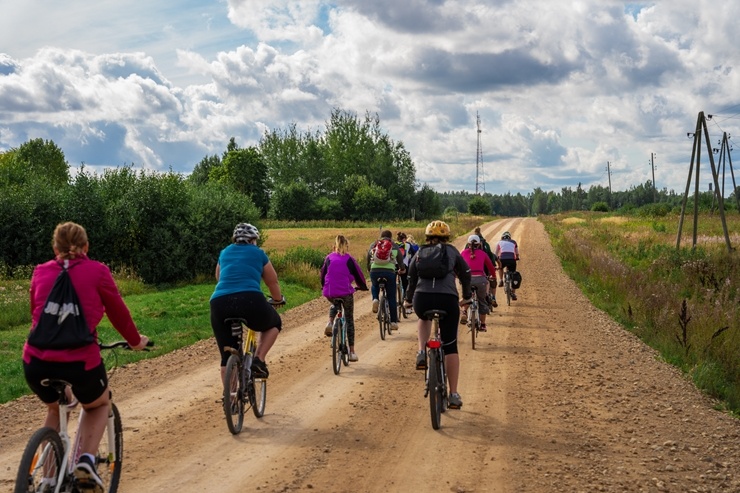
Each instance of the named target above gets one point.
<point>424,302</point>
<point>251,306</point>
<point>349,315</point>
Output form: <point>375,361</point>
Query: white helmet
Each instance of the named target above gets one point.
<point>244,233</point>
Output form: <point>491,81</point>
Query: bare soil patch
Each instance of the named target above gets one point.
<point>557,398</point>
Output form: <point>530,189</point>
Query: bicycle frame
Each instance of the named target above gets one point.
<point>339,339</point>
<point>384,313</point>
<point>436,375</point>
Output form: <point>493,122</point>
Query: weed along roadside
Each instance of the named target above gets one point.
<point>682,302</point>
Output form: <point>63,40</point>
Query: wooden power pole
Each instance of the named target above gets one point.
<point>701,128</point>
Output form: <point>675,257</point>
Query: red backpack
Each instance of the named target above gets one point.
<point>382,251</point>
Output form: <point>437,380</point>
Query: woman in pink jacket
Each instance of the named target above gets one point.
<point>340,269</point>
<point>481,268</point>
<point>83,366</point>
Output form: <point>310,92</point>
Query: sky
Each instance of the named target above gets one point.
<point>585,91</point>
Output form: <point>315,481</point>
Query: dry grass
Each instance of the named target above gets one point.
<point>573,220</point>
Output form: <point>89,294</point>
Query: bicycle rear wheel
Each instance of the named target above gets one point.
<point>382,316</point>
<point>435,389</point>
<point>233,395</point>
<point>507,290</point>
<point>40,462</point>
<point>110,452</point>
<point>473,326</point>
<point>258,396</point>
<point>336,346</point>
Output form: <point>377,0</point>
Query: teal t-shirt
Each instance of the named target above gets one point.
<point>241,269</point>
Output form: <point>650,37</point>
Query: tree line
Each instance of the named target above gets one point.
<point>169,227</point>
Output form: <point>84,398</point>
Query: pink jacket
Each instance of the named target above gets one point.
<point>480,261</point>
<point>98,295</point>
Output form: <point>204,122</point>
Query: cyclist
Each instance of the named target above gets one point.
<point>239,270</point>
<point>400,243</point>
<point>82,367</point>
<point>486,247</point>
<point>479,264</point>
<point>385,268</point>
<point>440,294</point>
<point>337,273</point>
<point>508,253</point>
<point>411,249</point>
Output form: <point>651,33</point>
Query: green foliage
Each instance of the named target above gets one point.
<point>293,202</point>
<point>370,202</point>
<point>246,172</point>
<point>600,207</point>
<point>34,161</point>
<point>479,206</point>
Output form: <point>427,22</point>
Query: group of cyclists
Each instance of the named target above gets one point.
<point>241,267</point>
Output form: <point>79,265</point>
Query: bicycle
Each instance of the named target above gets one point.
<point>339,341</point>
<point>399,296</point>
<point>435,376</point>
<point>384,310</point>
<point>49,459</point>
<point>507,286</point>
<point>474,315</point>
<point>241,388</point>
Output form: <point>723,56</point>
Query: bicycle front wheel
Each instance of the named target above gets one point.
<point>110,452</point>
<point>233,401</point>
<point>435,389</point>
<point>336,346</point>
<point>41,462</point>
<point>258,396</point>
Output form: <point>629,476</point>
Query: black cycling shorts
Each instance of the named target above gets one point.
<point>251,306</point>
<point>509,263</point>
<point>87,385</point>
<point>424,302</point>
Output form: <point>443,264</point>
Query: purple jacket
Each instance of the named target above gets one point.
<point>337,275</point>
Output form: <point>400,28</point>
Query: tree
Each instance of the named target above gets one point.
<point>479,206</point>
<point>245,171</point>
<point>294,202</point>
<point>34,160</point>
<point>202,170</point>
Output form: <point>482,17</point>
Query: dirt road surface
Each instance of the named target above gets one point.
<point>557,398</point>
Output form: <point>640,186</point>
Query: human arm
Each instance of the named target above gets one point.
<point>117,312</point>
<point>399,262</point>
<point>354,269</point>
<point>324,268</point>
<point>271,281</point>
<point>413,279</point>
<point>462,270</point>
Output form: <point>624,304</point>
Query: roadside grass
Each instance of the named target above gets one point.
<point>178,316</point>
<point>683,302</point>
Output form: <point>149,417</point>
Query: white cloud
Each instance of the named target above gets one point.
<point>561,88</point>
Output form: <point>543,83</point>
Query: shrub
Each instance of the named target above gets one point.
<point>600,207</point>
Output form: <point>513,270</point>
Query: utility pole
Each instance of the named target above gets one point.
<point>609,174</point>
<point>701,127</point>
<point>478,157</point>
<point>652,165</point>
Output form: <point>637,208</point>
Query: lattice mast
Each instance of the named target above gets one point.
<point>478,160</point>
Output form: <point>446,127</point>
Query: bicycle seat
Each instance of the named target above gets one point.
<point>56,383</point>
<point>235,321</point>
<point>382,280</point>
<point>474,288</point>
<point>430,314</point>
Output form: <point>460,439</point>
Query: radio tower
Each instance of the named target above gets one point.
<point>479,161</point>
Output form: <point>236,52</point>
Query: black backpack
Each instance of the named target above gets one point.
<point>61,324</point>
<point>433,261</point>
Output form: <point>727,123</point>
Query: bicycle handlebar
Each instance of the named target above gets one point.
<point>123,345</point>
<point>278,302</point>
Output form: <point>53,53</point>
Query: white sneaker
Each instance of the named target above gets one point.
<point>353,357</point>
<point>394,326</point>
<point>375,306</point>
